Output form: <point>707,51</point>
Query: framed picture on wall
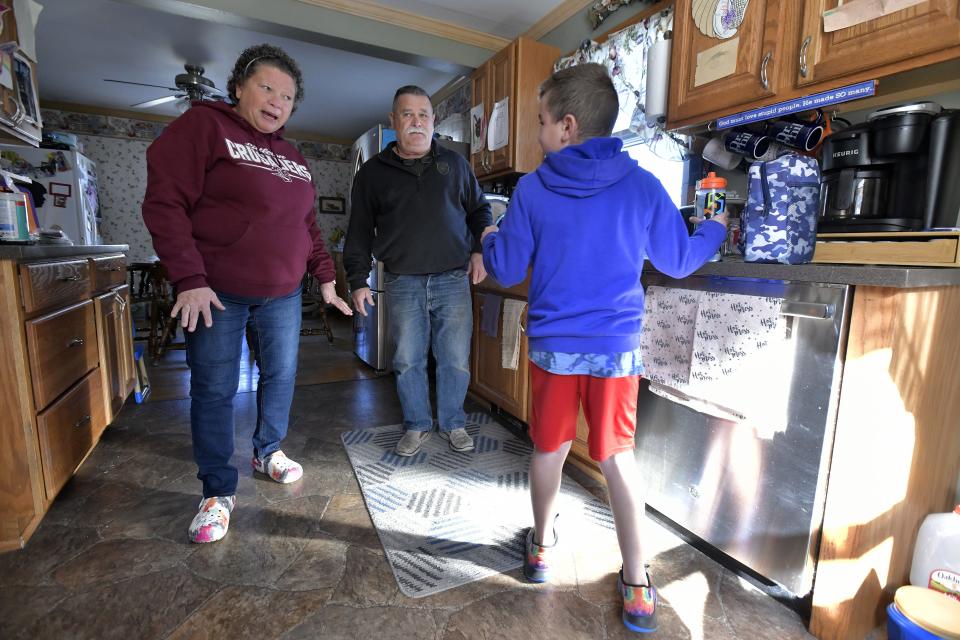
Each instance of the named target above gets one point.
<point>331,205</point>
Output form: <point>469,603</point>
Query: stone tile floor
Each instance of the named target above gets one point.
<point>111,559</point>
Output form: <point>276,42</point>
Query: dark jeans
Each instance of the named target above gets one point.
<point>430,310</point>
<point>214,354</point>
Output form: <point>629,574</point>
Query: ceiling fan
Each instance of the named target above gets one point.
<point>191,85</point>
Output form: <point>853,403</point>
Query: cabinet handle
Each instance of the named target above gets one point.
<point>763,70</point>
<point>18,116</point>
<point>82,421</point>
<point>76,342</point>
<point>75,277</point>
<point>803,56</point>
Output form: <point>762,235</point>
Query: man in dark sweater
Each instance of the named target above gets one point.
<point>418,208</point>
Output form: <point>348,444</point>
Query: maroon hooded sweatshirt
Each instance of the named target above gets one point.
<point>231,208</point>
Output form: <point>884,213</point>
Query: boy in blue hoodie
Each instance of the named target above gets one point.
<point>582,222</point>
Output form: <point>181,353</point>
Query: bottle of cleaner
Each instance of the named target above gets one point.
<point>936,556</point>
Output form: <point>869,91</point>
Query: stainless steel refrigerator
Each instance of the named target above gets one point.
<point>371,332</point>
<point>371,341</point>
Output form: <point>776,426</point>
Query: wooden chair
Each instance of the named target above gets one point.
<point>313,305</point>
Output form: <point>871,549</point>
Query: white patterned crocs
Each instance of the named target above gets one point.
<point>279,467</point>
<point>212,521</point>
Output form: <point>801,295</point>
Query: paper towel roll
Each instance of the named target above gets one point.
<point>658,81</point>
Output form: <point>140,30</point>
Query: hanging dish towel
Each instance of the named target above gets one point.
<point>510,346</point>
<point>741,360</point>
<point>666,343</point>
<point>720,354</point>
<point>490,314</point>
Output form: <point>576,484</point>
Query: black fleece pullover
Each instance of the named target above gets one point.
<point>416,216</point>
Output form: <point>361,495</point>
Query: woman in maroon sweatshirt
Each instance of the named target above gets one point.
<point>230,207</point>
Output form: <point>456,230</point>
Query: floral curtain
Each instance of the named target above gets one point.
<point>625,54</point>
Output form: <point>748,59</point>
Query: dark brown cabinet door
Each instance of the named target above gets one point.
<point>506,388</point>
<point>893,39</point>
<point>116,357</point>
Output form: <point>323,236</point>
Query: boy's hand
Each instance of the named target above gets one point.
<point>721,218</point>
<point>488,230</point>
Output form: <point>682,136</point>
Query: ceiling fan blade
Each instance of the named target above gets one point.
<point>155,102</point>
<point>212,92</point>
<point>142,84</point>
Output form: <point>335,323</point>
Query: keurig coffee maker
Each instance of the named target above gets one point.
<point>892,173</point>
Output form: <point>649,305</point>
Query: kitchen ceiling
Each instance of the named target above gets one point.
<point>349,81</point>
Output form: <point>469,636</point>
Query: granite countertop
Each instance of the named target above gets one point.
<point>46,251</point>
<point>851,274</point>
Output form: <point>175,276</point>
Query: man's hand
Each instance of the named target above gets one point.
<point>192,304</point>
<point>360,296</point>
<point>328,291</point>
<point>476,271</point>
<point>488,230</point>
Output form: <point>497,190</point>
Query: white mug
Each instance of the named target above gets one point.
<point>717,154</point>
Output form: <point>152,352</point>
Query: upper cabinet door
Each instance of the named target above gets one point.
<point>710,74</point>
<point>479,83</point>
<point>502,78</point>
<point>923,28</point>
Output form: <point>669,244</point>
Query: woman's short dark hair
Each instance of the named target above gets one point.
<point>254,56</point>
<point>586,92</point>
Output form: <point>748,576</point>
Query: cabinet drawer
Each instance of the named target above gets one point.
<point>62,347</point>
<point>48,284</point>
<point>69,429</point>
<point>108,271</point>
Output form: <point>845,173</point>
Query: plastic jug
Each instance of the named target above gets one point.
<point>936,556</point>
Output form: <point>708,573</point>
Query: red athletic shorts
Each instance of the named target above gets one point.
<point>609,405</point>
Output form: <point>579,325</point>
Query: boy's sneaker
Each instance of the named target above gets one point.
<point>459,439</point>
<point>536,557</point>
<point>411,442</point>
<point>279,467</point>
<point>639,605</point>
<point>212,520</point>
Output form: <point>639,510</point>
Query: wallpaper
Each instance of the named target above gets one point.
<point>119,146</point>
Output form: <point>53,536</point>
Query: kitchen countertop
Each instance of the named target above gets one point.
<point>852,274</point>
<point>42,251</point>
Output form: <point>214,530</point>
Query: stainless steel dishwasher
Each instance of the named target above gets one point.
<point>759,500</point>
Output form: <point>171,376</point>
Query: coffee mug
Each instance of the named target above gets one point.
<point>715,153</point>
<point>745,143</point>
<point>795,134</point>
<point>774,151</point>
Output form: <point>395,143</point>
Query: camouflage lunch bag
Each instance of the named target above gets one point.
<point>779,222</point>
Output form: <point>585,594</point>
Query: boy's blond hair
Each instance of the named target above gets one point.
<point>586,92</point>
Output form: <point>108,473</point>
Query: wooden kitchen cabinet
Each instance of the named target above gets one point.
<point>115,340</point>
<point>66,367</point>
<point>751,59</point>
<point>515,74</point>
<point>19,104</point>
<point>885,44</point>
<point>802,59</point>
<point>509,389</point>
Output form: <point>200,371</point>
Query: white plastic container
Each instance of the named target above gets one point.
<point>936,556</point>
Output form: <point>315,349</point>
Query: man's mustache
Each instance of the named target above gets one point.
<point>415,130</point>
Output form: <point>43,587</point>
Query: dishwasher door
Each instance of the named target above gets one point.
<point>759,500</point>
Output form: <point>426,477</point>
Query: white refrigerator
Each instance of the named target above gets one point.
<point>70,178</point>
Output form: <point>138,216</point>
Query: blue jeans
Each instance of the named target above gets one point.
<point>213,354</point>
<point>424,311</point>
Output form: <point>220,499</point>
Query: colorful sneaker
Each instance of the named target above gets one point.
<point>212,521</point>
<point>459,439</point>
<point>639,605</point>
<point>536,559</point>
<point>279,467</point>
<point>411,442</point>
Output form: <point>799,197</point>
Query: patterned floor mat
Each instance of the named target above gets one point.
<point>446,518</point>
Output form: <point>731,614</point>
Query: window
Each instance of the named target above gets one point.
<point>670,173</point>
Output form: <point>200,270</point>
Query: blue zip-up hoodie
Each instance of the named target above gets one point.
<point>584,221</point>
